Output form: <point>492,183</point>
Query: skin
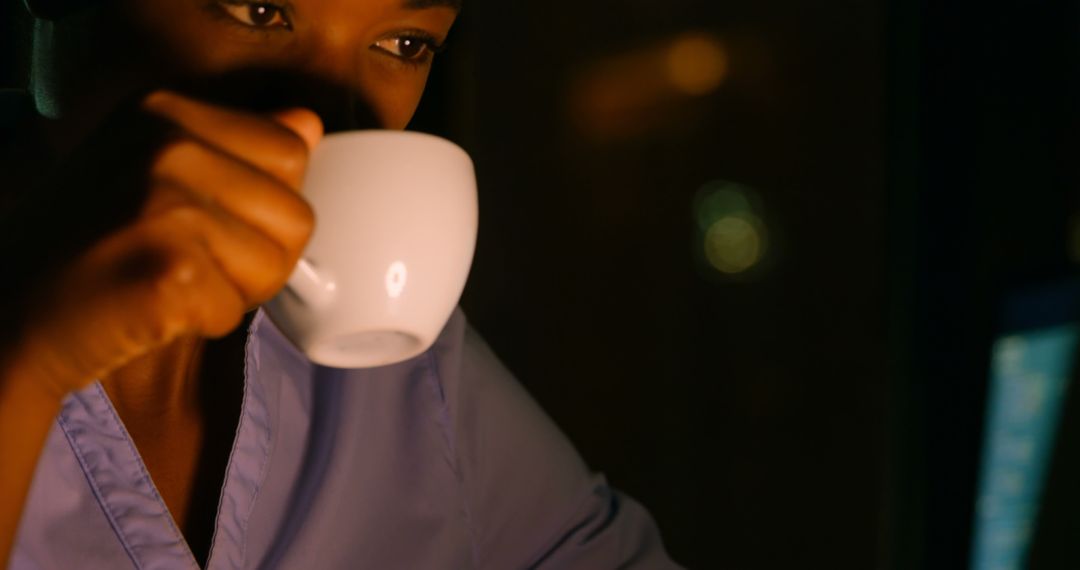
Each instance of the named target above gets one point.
<point>222,219</point>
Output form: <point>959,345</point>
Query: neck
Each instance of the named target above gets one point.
<point>162,384</point>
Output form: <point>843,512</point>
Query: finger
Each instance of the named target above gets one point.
<point>212,303</point>
<point>143,288</point>
<point>138,289</point>
<point>266,144</point>
<point>190,294</point>
<point>256,265</point>
<point>303,122</point>
<point>234,186</point>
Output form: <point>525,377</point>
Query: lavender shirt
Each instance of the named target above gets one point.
<point>443,461</point>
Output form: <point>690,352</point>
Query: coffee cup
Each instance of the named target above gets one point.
<point>395,232</point>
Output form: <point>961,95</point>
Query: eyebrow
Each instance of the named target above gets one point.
<point>425,4</point>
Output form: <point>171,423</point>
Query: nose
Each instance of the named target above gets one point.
<point>326,64</point>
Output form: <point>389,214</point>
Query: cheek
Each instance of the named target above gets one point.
<point>394,94</point>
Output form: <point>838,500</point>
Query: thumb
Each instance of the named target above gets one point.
<point>303,122</point>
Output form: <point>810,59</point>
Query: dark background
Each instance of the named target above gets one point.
<point>985,148</point>
<point>909,161</point>
<point>746,412</point>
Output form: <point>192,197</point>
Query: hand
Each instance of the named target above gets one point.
<point>220,229</point>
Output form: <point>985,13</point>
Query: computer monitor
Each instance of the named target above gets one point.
<point>1033,360</point>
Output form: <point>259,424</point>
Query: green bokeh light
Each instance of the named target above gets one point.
<point>732,234</point>
<point>734,244</point>
<point>718,200</point>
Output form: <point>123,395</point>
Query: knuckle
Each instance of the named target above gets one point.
<point>304,215</point>
<point>278,260</point>
<point>178,154</point>
<point>301,224</point>
<point>165,301</point>
<point>277,264</point>
<point>188,300</point>
<point>293,219</point>
<point>162,325</point>
<point>178,271</point>
<point>163,197</point>
<point>220,308</point>
<point>184,215</point>
<point>292,153</point>
<point>224,317</point>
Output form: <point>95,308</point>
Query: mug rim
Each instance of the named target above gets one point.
<point>396,134</point>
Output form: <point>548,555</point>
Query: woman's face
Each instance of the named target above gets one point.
<point>376,51</point>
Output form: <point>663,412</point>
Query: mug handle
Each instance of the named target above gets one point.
<point>315,288</point>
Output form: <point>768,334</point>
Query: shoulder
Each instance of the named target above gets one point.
<point>485,398</point>
<point>461,354</point>
<point>529,495</point>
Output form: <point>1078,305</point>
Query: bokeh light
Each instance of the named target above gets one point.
<point>697,64</point>
<point>734,244</point>
<point>647,89</point>
<point>733,235</point>
<point>720,199</point>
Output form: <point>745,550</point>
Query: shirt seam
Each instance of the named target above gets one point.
<point>448,432</point>
<point>102,500</point>
<point>245,411</point>
<point>142,467</point>
<point>97,494</point>
<point>268,442</point>
<point>574,523</point>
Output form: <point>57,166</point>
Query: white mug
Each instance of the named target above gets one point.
<point>395,232</point>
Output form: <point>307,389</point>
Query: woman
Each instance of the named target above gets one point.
<point>149,418</point>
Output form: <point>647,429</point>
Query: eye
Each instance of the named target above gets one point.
<point>257,14</point>
<point>408,47</point>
